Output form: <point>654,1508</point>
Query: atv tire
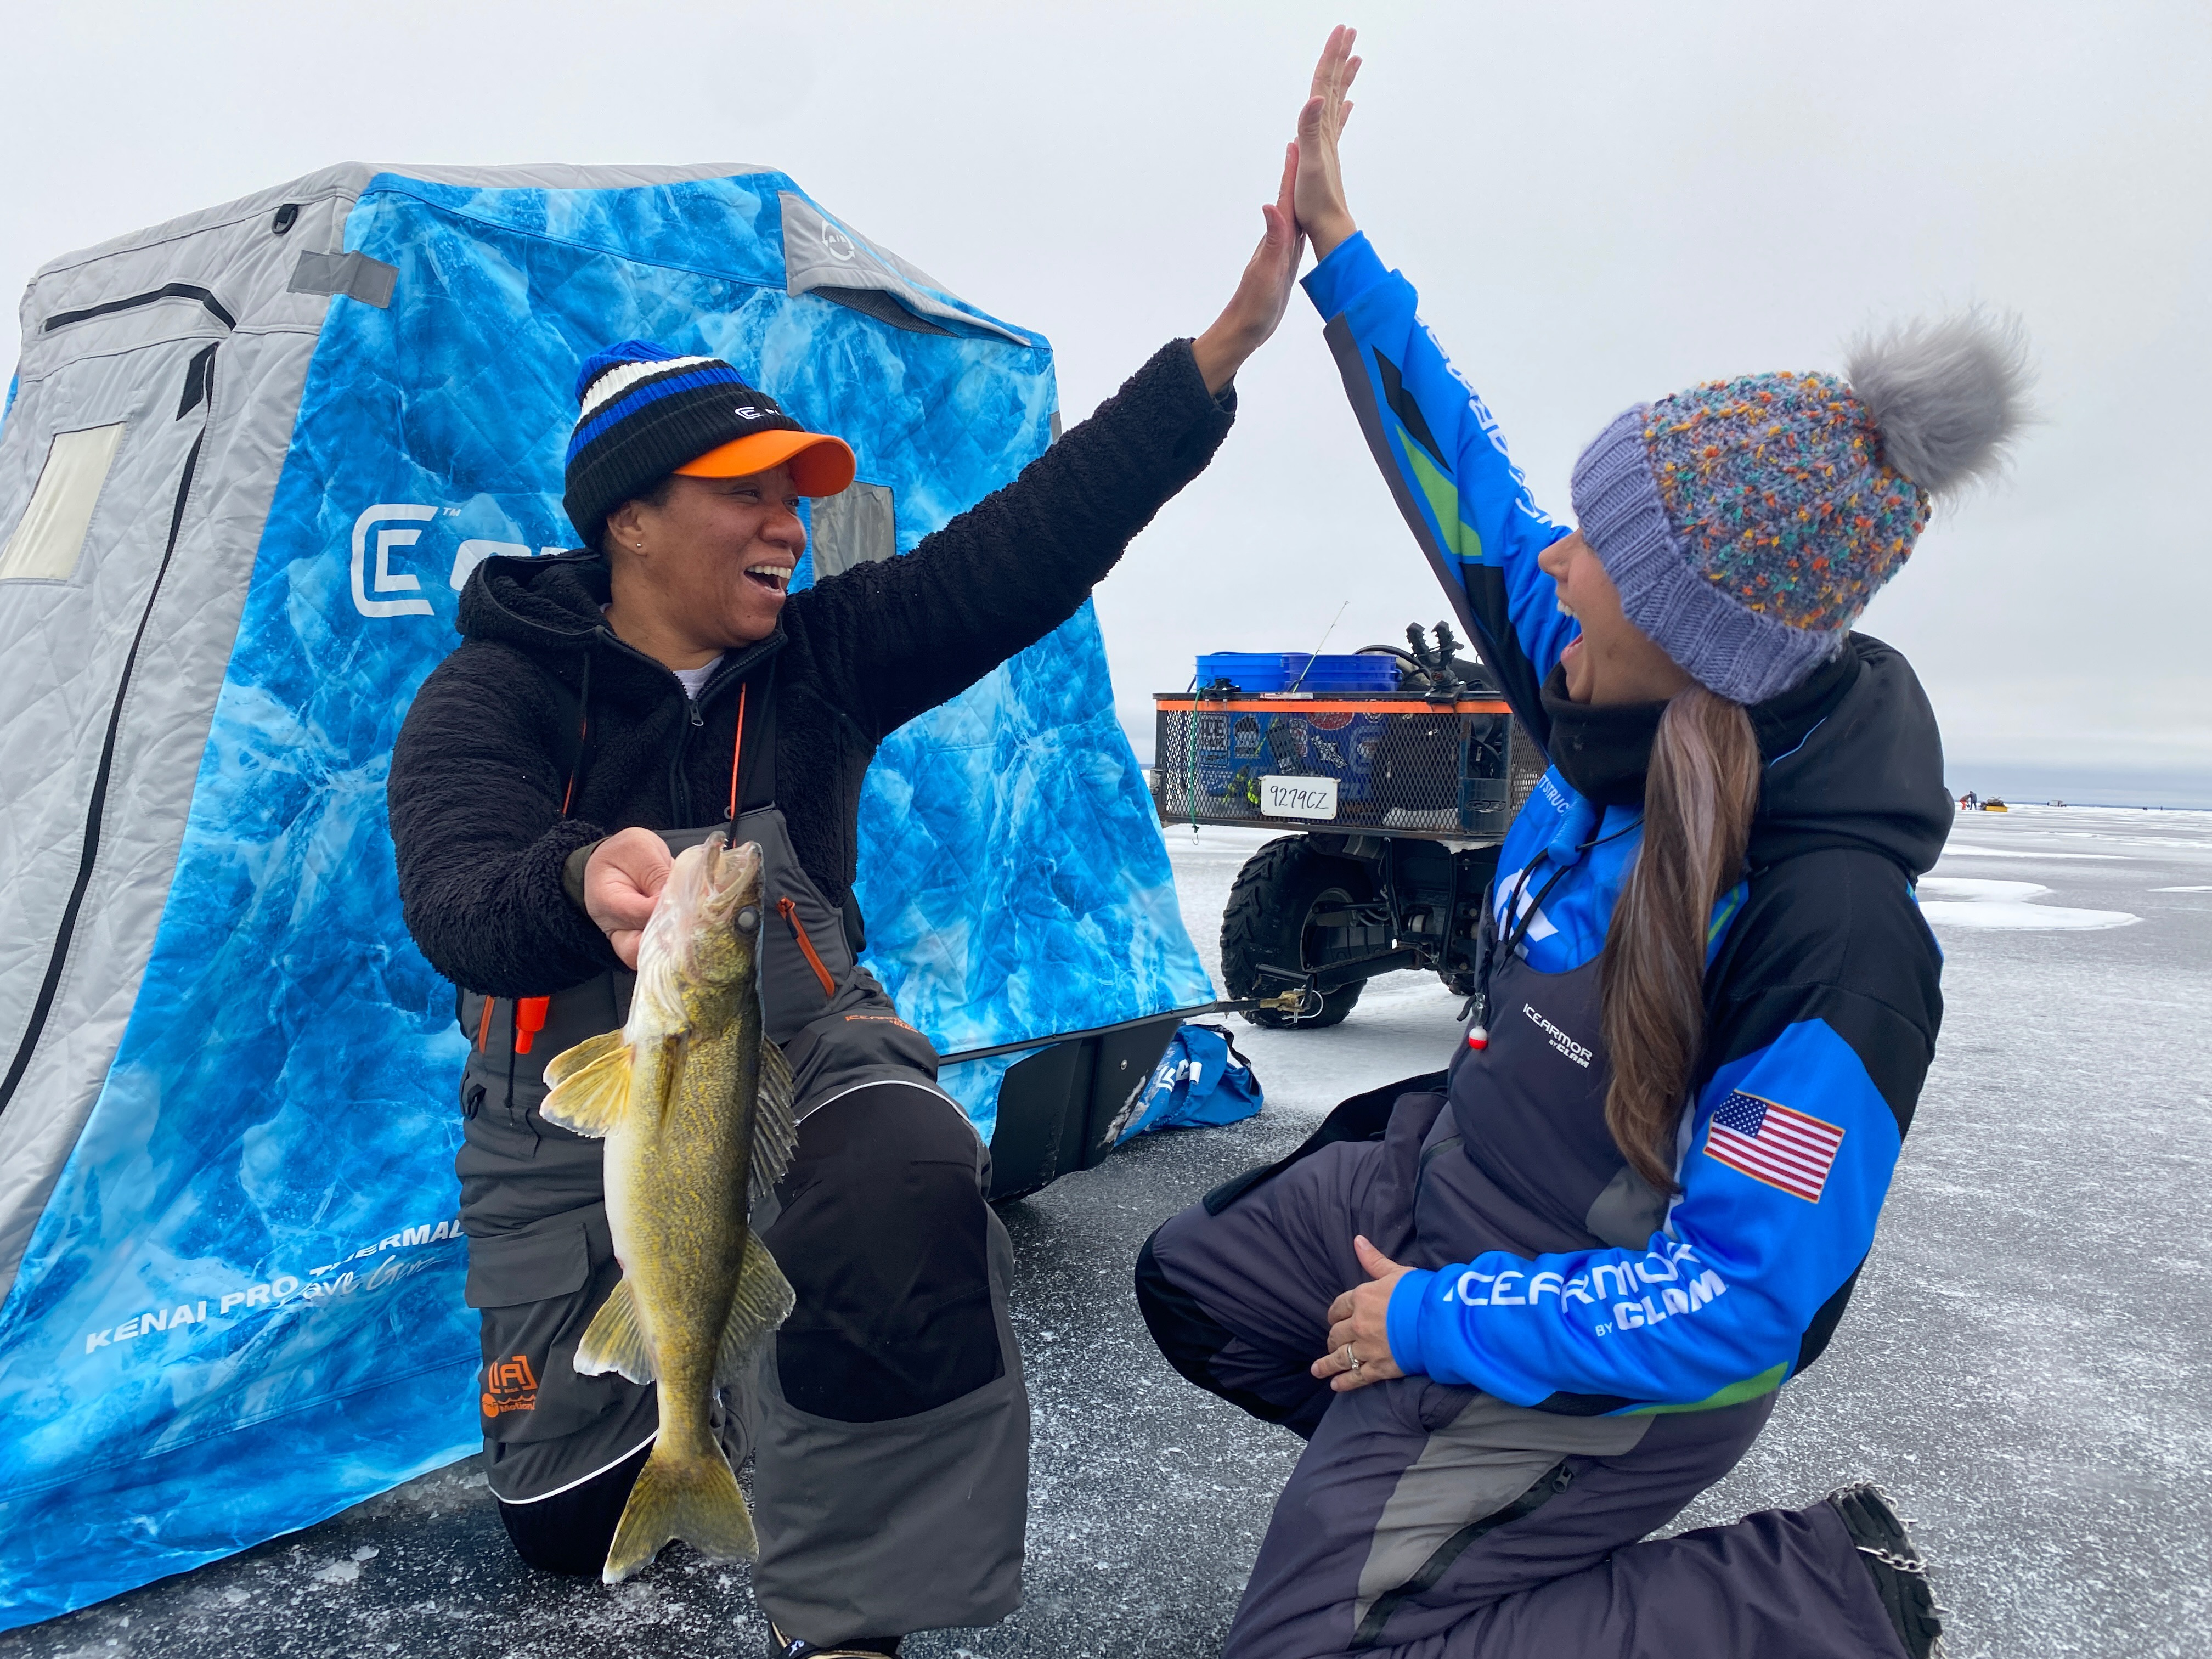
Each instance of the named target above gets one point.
<point>1266,921</point>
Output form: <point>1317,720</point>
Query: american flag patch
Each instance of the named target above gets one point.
<point>1769,1142</point>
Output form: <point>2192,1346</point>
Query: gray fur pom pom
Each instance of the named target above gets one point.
<point>1947,394</point>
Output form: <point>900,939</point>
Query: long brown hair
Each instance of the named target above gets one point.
<point>1698,796</point>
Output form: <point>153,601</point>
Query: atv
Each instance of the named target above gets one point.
<point>1396,801</point>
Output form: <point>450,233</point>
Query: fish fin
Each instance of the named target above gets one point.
<point>615,1340</point>
<point>590,1090</point>
<point>694,1498</point>
<point>762,1301</point>
<point>775,1120</point>
<point>569,1062</point>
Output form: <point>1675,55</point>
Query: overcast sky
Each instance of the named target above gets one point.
<point>1600,204</point>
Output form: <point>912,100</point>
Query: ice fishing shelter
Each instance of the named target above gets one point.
<point>249,459</point>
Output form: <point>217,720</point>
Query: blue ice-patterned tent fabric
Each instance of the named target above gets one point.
<point>251,457</point>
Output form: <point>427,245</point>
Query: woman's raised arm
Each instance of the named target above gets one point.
<point>1465,501</point>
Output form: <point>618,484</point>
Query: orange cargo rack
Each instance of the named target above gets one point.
<point>1402,765</point>
<point>1308,702</point>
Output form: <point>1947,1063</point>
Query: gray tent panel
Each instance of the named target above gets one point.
<point>101,734</point>
<point>110,334</point>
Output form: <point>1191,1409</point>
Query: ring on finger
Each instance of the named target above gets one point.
<point>1352,1361</point>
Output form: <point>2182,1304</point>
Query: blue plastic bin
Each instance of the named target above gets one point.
<point>1253,670</point>
<point>1351,673</point>
<point>1285,671</point>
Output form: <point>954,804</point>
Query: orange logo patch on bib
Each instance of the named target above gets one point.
<point>509,1386</point>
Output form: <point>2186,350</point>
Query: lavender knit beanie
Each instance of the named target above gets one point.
<point>1747,522</point>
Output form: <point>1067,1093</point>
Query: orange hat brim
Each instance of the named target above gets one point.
<point>820,464</point>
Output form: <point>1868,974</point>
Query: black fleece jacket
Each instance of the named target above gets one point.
<point>477,774</point>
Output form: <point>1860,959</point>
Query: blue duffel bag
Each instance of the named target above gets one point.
<point>1200,1081</point>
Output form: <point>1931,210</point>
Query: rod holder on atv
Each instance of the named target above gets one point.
<point>1440,664</point>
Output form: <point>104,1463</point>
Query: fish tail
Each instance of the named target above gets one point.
<point>695,1499</point>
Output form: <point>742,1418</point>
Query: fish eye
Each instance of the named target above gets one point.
<point>748,920</point>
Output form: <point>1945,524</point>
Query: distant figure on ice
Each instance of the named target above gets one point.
<point>612,702</point>
<point>1585,1258</point>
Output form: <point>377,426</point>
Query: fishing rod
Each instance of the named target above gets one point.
<point>1288,1002</point>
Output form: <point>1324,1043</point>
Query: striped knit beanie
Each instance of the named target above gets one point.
<point>1747,522</point>
<point>644,412</point>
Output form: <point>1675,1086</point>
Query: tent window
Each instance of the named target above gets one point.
<point>858,526</point>
<point>50,540</point>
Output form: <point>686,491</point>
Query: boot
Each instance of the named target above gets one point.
<point>780,1646</point>
<point>1886,1548</point>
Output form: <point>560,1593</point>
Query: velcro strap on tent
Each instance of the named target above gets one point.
<point>354,275</point>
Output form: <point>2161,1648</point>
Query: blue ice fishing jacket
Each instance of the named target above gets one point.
<point>1821,986</point>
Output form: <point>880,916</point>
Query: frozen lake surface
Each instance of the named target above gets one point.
<point>2027,1362</point>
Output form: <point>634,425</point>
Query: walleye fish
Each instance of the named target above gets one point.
<point>696,1107</point>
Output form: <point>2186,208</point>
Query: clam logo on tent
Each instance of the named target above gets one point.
<point>381,578</point>
<point>837,244</point>
<point>387,580</point>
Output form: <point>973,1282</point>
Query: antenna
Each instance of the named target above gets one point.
<point>1326,632</point>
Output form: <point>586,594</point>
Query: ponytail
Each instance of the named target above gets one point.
<point>1699,797</point>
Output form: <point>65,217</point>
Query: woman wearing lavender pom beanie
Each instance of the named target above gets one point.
<point>1586,1257</point>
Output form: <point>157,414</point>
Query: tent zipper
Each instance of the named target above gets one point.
<point>52,985</point>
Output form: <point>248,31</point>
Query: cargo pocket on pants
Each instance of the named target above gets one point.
<point>537,1290</point>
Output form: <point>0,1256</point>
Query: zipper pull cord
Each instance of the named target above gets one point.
<point>583,733</point>
<point>1478,1032</point>
<point>737,754</point>
<point>1478,1035</point>
<point>788,910</point>
<point>1478,1004</point>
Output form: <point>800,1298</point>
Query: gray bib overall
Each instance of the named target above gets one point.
<point>532,1198</point>
<point>542,1261</point>
<point>1536,1170</point>
<point>1419,1504</point>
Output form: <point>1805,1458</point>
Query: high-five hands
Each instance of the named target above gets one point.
<point>1258,304</point>
<point>1309,204</point>
<point>1321,213</point>
<point>1359,1320</point>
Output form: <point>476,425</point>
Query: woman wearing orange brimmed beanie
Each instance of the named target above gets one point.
<point>1587,1254</point>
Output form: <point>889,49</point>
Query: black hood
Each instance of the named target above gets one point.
<point>1868,774</point>
<point>548,608</point>
<point>539,605</point>
<point>1853,759</point>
